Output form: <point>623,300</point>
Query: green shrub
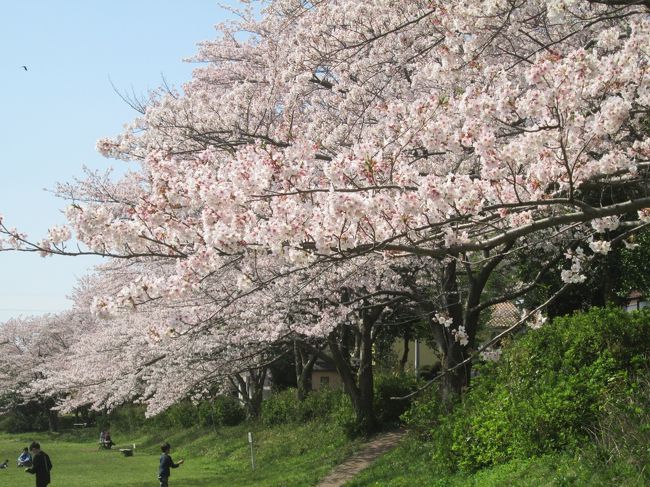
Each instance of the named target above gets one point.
<point>284,407</point>
<point>24,416</point>
<point>228,411</point>
<point>221,411</point>
<point>183,415</point>
<point>320,404</point>
<point>66,422</point>
<point>388,386</point>
<point>281,408</point>
<point>346,419</point>
<point>623,432</point>
<point>17,422</point>
<point>128,417</point>
<point>547,393</point>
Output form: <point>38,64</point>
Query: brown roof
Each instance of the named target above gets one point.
<point>503,315</point>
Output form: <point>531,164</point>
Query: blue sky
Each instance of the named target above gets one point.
<point>52,115</point>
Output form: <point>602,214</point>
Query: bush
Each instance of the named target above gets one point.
<point>24,416</point>
<point>320,404</point>
<point>227,411</point>
<point>183,415</point>
<point>128,417</point>
<point>623,432</point>
<point>346,419</point>
<point>222,411</point>
<point>387,386</point>
<point>17,422</point>
<point>548,391</point>
<point>281,408</point>
<point>284,407</point>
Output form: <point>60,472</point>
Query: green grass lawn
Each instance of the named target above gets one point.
<point>285,456</point>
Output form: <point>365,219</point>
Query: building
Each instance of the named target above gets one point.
<point>636,301</point>
<point>325,375</point>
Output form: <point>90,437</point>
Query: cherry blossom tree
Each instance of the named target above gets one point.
<point>28,346</point>
<point>457,133</point>
<point>149,351</point>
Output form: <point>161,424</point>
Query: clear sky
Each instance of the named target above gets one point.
<point>52,114</point>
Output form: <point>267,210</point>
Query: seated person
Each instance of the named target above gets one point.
<point>107,440</point>
<point>5,464</point>
<point>25,459</point>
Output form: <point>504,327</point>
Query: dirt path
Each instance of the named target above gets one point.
<point>357,462</point>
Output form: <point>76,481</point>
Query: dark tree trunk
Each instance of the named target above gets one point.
<point>405,354</point>
<point>304,366</point>
<point>454,379</point>
<point>53,420</point>
<point>366,412</point>
<point>359,395</point>
<point>251,390</point>
<point>464,314</point>
<point>360,385</point>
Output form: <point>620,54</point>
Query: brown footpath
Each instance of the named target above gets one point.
<point>376,447</point>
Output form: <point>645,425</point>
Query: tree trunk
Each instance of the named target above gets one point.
<point>304,367</point>
<point>53,420</point>
<point>466,315</point>
<point>455,381</point>
<point>360,385</point>
<point>251,390</point>
<point>366,411</point>
<point>405,354</point>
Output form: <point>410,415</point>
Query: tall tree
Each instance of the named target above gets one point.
<point>461,132</point>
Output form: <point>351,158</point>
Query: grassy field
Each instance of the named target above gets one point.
<point>285,456</point>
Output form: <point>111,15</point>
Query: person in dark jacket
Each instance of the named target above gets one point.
<point>166,463</point>
<point>41,465</point>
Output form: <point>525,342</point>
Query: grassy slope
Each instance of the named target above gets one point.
<point>285,456</point>
<point>410,465</point>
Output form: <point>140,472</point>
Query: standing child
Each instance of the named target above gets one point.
<point>41,465</point>
<point>166,463</point>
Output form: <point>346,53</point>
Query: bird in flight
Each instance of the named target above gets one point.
<point>24,67</point>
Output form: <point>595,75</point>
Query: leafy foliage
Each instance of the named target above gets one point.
<point>220,411</point>
<point>333,405</point>
<point>623,430</point>
<point>634,263</point>
<point>387,387</point>
<point>284,407</point>
<point>547,393</point>
<point>30,416</point>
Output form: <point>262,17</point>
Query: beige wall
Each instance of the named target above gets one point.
<point>427,357</point>
<point>332,379</point>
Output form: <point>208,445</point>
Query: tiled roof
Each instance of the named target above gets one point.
<point>503,315</point>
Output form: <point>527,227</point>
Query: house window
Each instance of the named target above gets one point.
<point>324,380</point>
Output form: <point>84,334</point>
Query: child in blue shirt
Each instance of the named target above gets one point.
<point>166,463</point>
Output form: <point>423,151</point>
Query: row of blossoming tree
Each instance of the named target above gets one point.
<point>332,162</point>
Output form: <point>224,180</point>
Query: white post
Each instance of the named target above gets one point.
<point>250,441</point>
